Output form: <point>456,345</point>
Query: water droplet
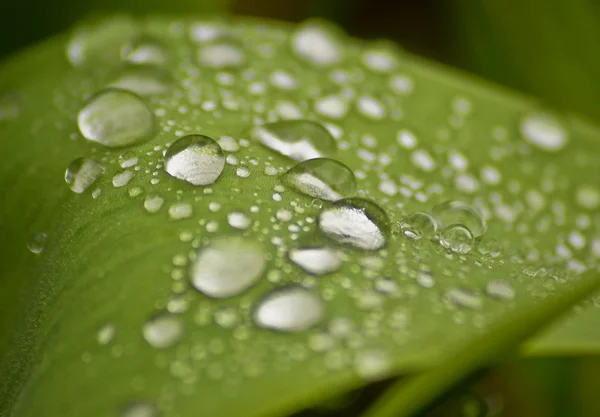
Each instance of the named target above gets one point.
<point>100,43</point>
<point>37,243</point>
<point>298,139</point>
<point>457,238</point>
<point>238,220</point>
<point>163,331</point>
<point>544,131</point>
<point>145,50</point>
<point>116,118</point>
<point>373,364</point>
<point>418,225</point>
<point>317,43</point>
<point>464,298</point>
<point>121,179</point>
<point>457,212</point>
<point>380,59</point>
<point>221,54</point>
<point>500,290</point>
<point>228,266</point>
<point>316,261</point>
<point>196,159</point>
<point>322,178</point>
<point>180,211</point>
<point>356,222</point>
<point>334,107</point>
<point>82,173</point>
<point>140,409</point>
<point>153,203</point>
<point>106,334</point>
<point>144,80</point>
<point>588,197</point>
<point>289,309</point>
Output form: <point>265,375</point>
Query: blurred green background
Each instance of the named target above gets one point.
<point>547,48</point>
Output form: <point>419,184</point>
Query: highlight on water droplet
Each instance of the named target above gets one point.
<point>37,244</point>
<point>289,309</point>
<point>418,225</point>
<point>196,159</point>
<point>153,203</point>
<point>318,43</point>
<point>116,118</point>
<point>298,139</point>
<point>458,238</point>
<point>500,290</point>
<point>457,212</point>
<point>544,131</point>
<point>464,298</point>
<point>356,222</point>
<point>316,261</point>
<point>228,266</point>
<point>81,173</point>
<point>322,178</point>
<point>145,50</point>
<point>163,330</point>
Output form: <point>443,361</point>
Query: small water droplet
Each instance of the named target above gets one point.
<point>196,159</point>
<point>144,80</point>
<point>318,43</point>
<point>316,261</point>
<point>373,364</point>
<point>116,118</point>
<point>221,54</point>
<point>106,334</point>
<point>464,298</point>
<point>457,238</point>
<point>140,409</point>
<point>180,211</point>
<point>418,225</point>
<point>145,50</point>
<point>163,331</point>
<point>322,178</point>
<point>298,139</point>
<point>128,159</point>
<point>153,203</point>
<point>500,290</point>
<point>289,309</point>
<point>457,212</point>
<point>238,220</point>
<point>37,244</point>
<point>228,267</point>
<point>82,173</point>
<point>544,131</point>
<point>356,222</point>
<point>121,179</point>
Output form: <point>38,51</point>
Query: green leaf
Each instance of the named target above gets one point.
<point>103,307</point>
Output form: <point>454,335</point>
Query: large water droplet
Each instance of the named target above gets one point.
<point>144,80</point>
<point>457,212</point>
<point>322,178</point>
<point>145,50</point>
<point>289,309</point>
<point>82,173</point>
<point>163,331</point>
<point>544,131</point>
<point>317,43</point>
<point>298,139</point>
<point>228,266</point>
<point>316,261</point>
<point>116,118</point>
<point>457,238</point>
<point>196,159</point>
<point>221,54</point>
<point>100,43</point>
<point>418,225</point>
<point>356,222</point>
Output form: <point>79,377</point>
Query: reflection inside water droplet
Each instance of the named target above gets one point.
<point>418,225</point>
<point>196,159</point>
<point>290,309</point>
<point>322,178</point>
<point>457,238</point>
<point>82,173</point>
<point>37,244</point>
<point>317,261</point>
<point>457,212</point>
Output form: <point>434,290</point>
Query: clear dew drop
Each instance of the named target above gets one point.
<point>140,409</point>
<point>100,43</point>
<point>457,212</point>
<point>298,139</point>
<point>82,173</point>
<point>196,159</point>
<point>464,298</point>
<point>238,220</point>
<point>458,238</point>
<point>37,244</point>
<point>317,43</point>
<point>122,178</point>
<point>144,80</point>
<point>500,290</point>
<point>316,261</point>
<point>289,309</point>
<point>153,203</point>
<point>221,54</point>
<point>128,160</point>
<point>356,222</point>
<point>180,211</point>
<point>163,331</point>
<point>544,131</point>
<point>106,334</point>
<point>116,118</point>
<point>228,267</point>
<point>322,178</point>
<point>418,225</point>
<point>145,50</point>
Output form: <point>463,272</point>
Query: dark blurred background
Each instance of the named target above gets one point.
<point>548,48</point>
